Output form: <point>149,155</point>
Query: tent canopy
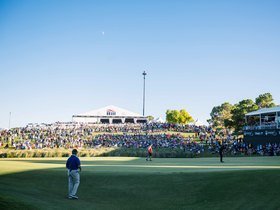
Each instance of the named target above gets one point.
<point>158,120</point>
<point>264,111</point>
<point>111,110</point>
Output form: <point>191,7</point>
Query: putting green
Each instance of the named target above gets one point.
<point>134,183</point>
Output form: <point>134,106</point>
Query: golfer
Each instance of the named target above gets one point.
<point>221,151</point>
<point>150,153</point>
<point>73,164</point>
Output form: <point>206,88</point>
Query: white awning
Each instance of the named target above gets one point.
<point>264,111</point>
<point>110,111</point>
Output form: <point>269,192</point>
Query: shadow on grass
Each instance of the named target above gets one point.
<point>10,203</point>
<point>47,189</point>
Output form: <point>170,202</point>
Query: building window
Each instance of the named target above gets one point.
<point>111,112</point>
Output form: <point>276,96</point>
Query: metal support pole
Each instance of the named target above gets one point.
<point>10,120</point>
<point>277,124</point>
<point>144,74</point>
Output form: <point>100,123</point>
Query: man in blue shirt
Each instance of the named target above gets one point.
<point>73,165</point>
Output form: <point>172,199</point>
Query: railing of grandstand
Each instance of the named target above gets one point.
<point>262,126</point>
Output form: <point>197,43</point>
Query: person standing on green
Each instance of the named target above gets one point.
<point>221,151</point>
<point>73,165</point>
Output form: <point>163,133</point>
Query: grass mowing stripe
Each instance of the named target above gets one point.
<point>206,167</point>
<point>42,183</point>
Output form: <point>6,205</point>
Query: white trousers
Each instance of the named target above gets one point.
<point>73,182</point>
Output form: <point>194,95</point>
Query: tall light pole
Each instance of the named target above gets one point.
<point>10,120</point>
<point>144,74</point>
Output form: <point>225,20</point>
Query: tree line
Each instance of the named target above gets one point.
<point>232,116</point>
<point>226,115</point>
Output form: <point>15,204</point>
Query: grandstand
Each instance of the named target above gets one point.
<point>262,126</point>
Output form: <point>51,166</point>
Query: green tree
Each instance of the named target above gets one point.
<point>150,118</point>
<point>172,116</point>
<point>181,117</point>
<point>239,111</point>
<point>184,117</point>
<point>221,116</point>
<point>265,101</point>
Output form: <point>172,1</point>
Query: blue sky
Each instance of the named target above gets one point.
<point>59,58</point>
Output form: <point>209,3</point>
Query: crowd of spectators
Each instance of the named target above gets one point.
<point>200,139</point>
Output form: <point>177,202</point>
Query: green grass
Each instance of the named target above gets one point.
<point>133,183</point>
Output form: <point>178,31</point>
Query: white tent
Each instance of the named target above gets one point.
<point>110,110</point>
<point>197,123</point>
<point>109,114</point>
<point>158,120</point>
